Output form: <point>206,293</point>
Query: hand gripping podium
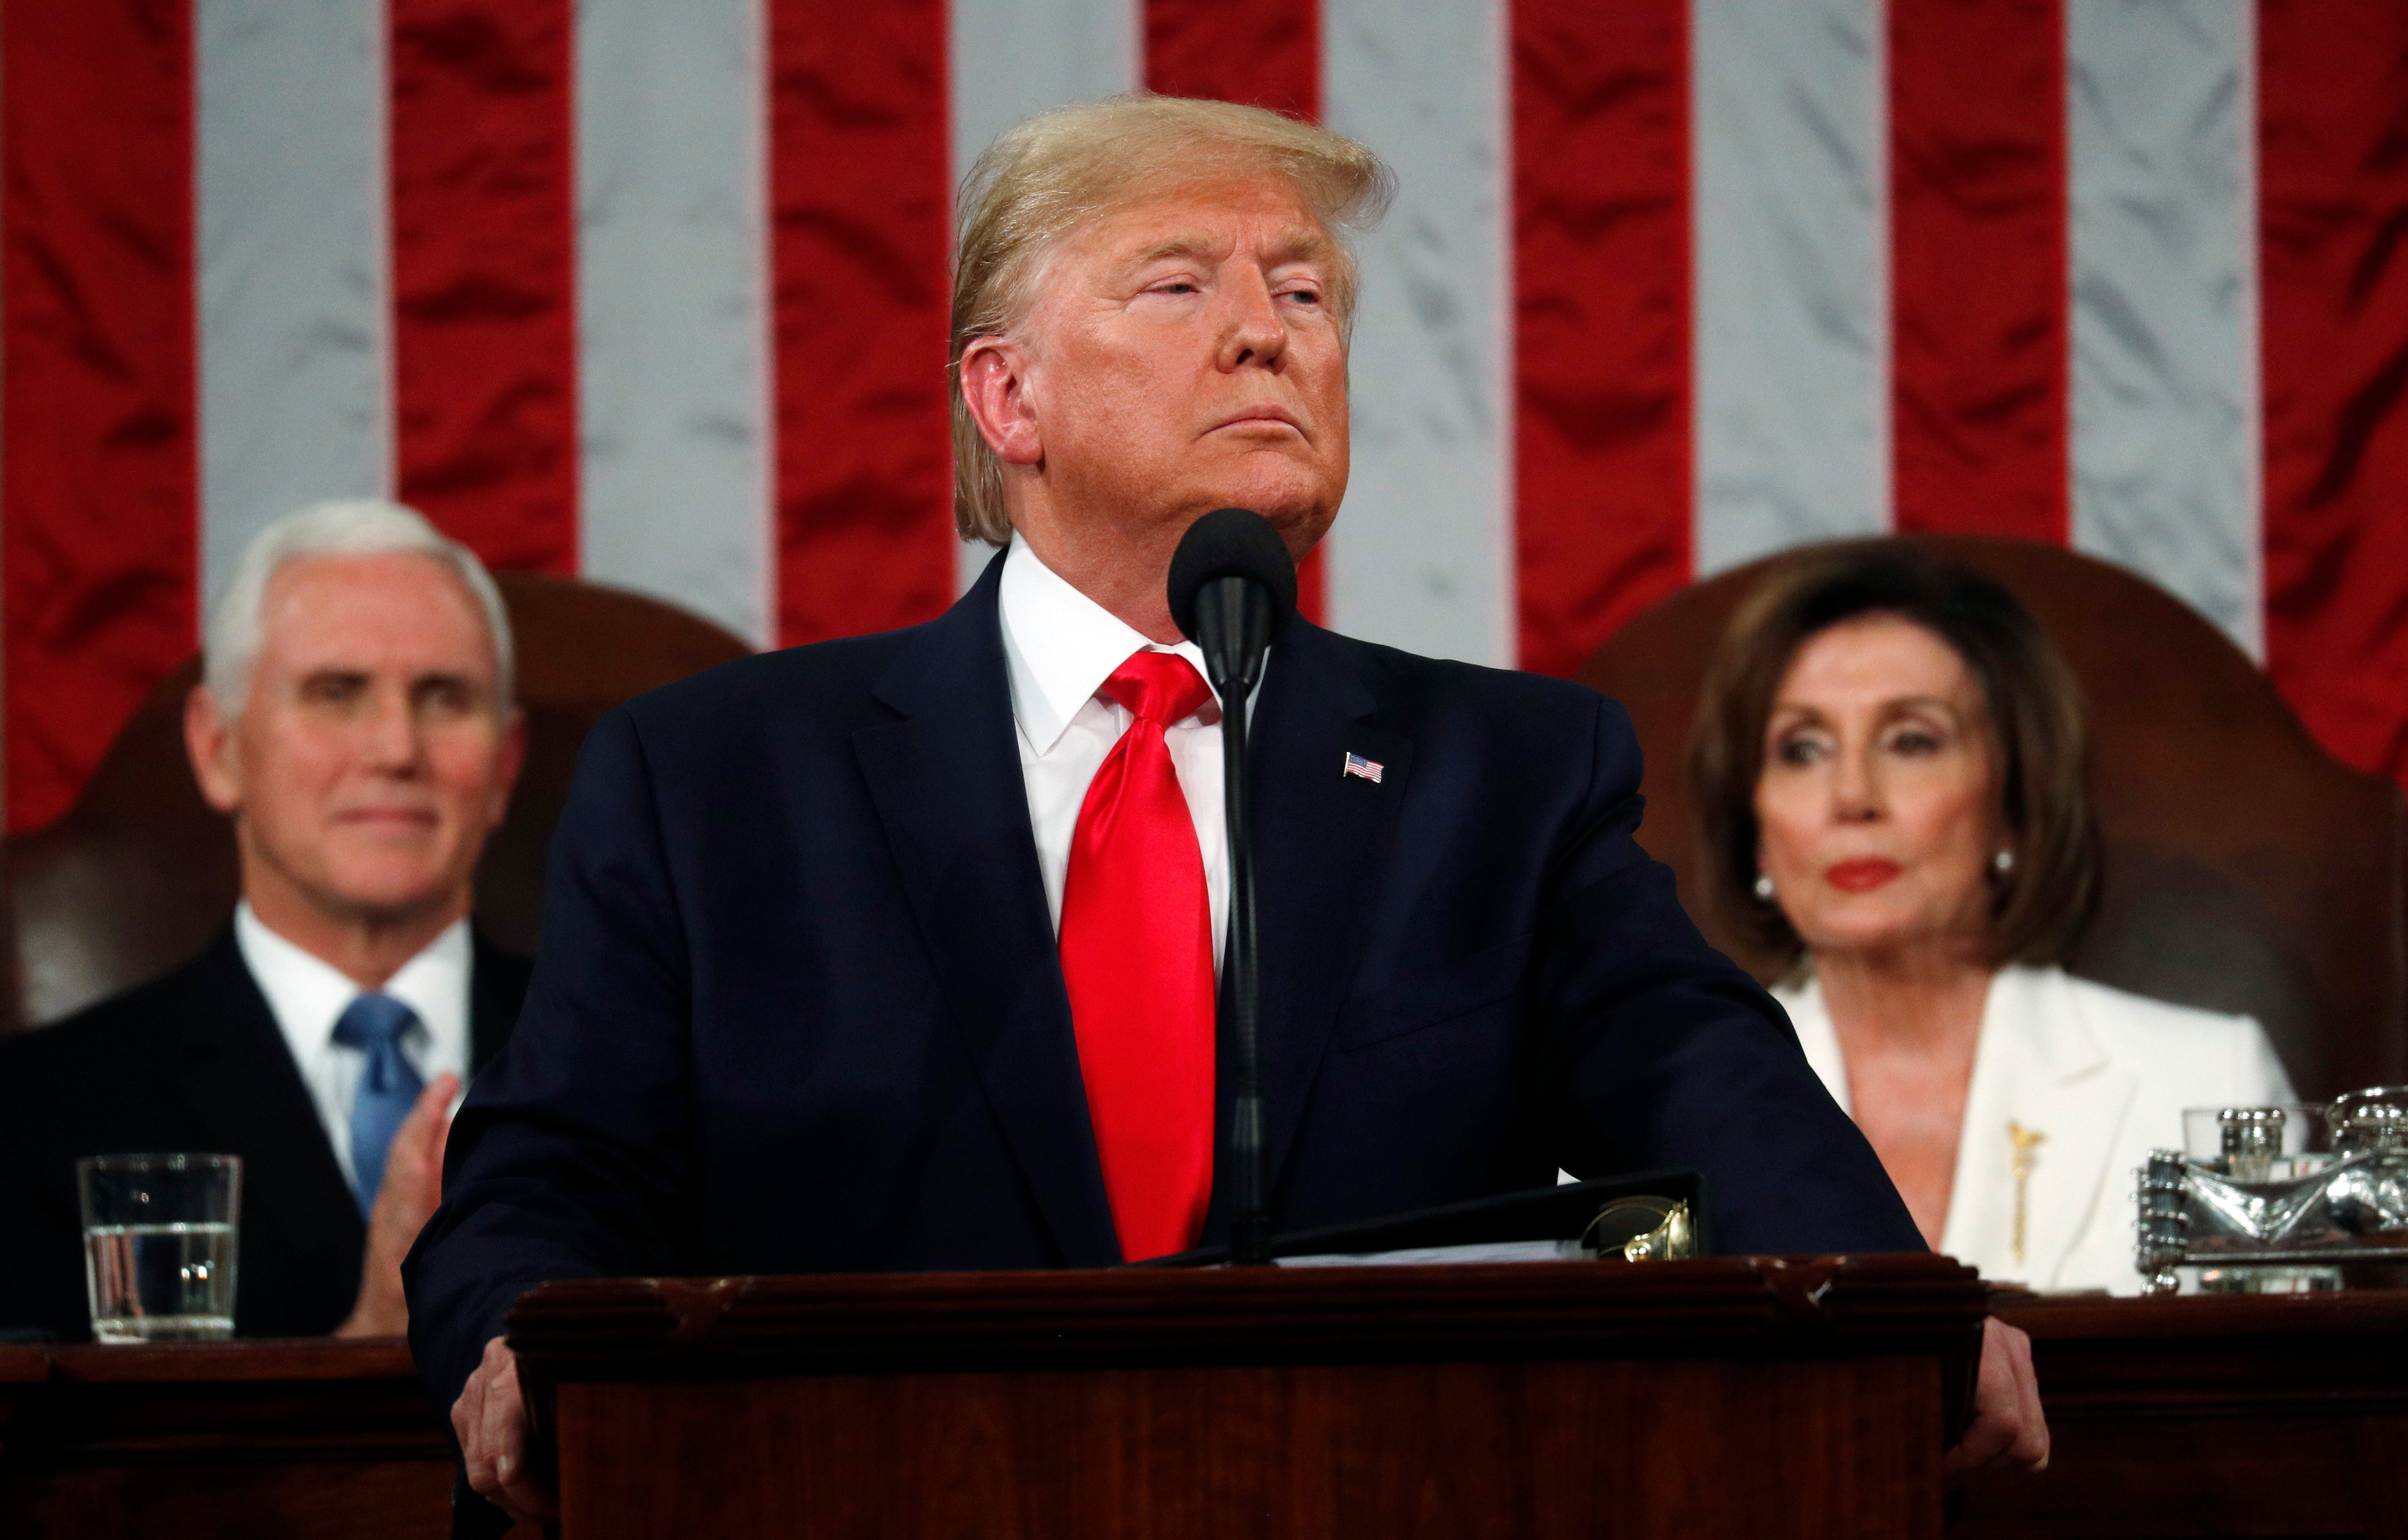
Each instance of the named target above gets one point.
<point>1723,1396</point>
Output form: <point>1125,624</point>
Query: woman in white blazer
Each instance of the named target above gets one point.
<point>2072,1085</point>
<point>1891,764</point>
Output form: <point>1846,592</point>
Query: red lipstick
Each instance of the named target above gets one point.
<point>1861,876</point>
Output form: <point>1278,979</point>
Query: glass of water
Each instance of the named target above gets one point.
<point>159,1244</point>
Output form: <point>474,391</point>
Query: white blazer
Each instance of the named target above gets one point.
<point>2103,1077</point>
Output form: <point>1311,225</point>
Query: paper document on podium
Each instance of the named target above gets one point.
<point>1542,1224</point>
<point>1442,1256</point>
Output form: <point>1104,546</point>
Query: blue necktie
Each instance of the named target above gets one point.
<point>374,1024</point>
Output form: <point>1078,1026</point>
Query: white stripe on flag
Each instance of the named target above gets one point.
<point>674,332</point>
<point>2162,230</point>
<point>296,344</point>
<point>1792,305</point>
<point>1013,59</point>
<point>1422,557</point>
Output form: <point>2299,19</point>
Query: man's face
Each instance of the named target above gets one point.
<point>373,755</point>
<point>1183,356</point>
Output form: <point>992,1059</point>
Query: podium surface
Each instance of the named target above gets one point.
<point>1719,1397</point>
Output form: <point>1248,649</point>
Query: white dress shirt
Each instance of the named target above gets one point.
<point>308,996</point>
<point>1059,646</point>
<point>2092,1078</point>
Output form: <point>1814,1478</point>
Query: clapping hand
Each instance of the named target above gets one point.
<point>413,1185</point>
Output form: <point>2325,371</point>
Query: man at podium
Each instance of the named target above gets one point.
<point>900,953</point>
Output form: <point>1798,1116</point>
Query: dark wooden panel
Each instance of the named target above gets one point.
<point>2265,1417</point>
<point>1728,1396</point>
<point>240,1440</point>
<point>1549,1449</point>
<point>303,1400</point>
<point>225,1501</point>
<point>2155,1479</point>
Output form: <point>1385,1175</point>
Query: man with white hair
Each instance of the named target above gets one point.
<point>897,952</point>
<point>355,722</point>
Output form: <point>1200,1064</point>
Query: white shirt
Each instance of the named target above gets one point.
<point>1059,646</point>
<point>308,996</point>
<point>2087,1080</point>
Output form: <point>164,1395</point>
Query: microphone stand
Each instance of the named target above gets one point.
<point>1233,625</point>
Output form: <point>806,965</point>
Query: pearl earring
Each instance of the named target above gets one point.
<point>2003,862</point>
<point>1764,889</point>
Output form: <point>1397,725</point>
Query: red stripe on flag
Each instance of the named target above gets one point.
<point>1261,53</point>
<point>484,275</point>
<point>1979,266</point>
<point>2332,198</point>
<point>100,468</point>
<point>860,203</point>
<point>1602,371</point>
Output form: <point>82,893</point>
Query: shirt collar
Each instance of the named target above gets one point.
<point>308,996</point>
<point>1059,646</point>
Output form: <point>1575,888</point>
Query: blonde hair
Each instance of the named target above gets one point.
<point>1041,180</point>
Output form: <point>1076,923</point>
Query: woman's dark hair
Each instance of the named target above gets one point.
<point>2039,737</point>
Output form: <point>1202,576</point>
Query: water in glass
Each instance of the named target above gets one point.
<point>160,1282</point>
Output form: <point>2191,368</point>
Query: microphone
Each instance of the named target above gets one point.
<point>1232,589</point>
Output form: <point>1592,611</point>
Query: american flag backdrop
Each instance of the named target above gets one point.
<point>653,291</point>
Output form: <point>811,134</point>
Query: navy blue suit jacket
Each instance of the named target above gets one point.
<point>799,1009</point>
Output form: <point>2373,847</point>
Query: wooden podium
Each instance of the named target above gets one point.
<point>1723,1397</point>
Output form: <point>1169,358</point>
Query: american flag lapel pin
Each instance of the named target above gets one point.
<point>1357,765</point>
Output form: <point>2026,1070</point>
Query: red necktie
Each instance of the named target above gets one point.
<point>1137,954</point>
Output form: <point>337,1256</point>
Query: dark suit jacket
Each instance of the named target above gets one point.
<point>192,1062</point>
<point>798,1006</point>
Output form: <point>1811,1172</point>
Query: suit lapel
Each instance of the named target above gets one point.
<point>946,783</point>
<point>2088,1098</point>
<point>244,1088</point>
<point>2045,1080</point>
<point>1322,842</point>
